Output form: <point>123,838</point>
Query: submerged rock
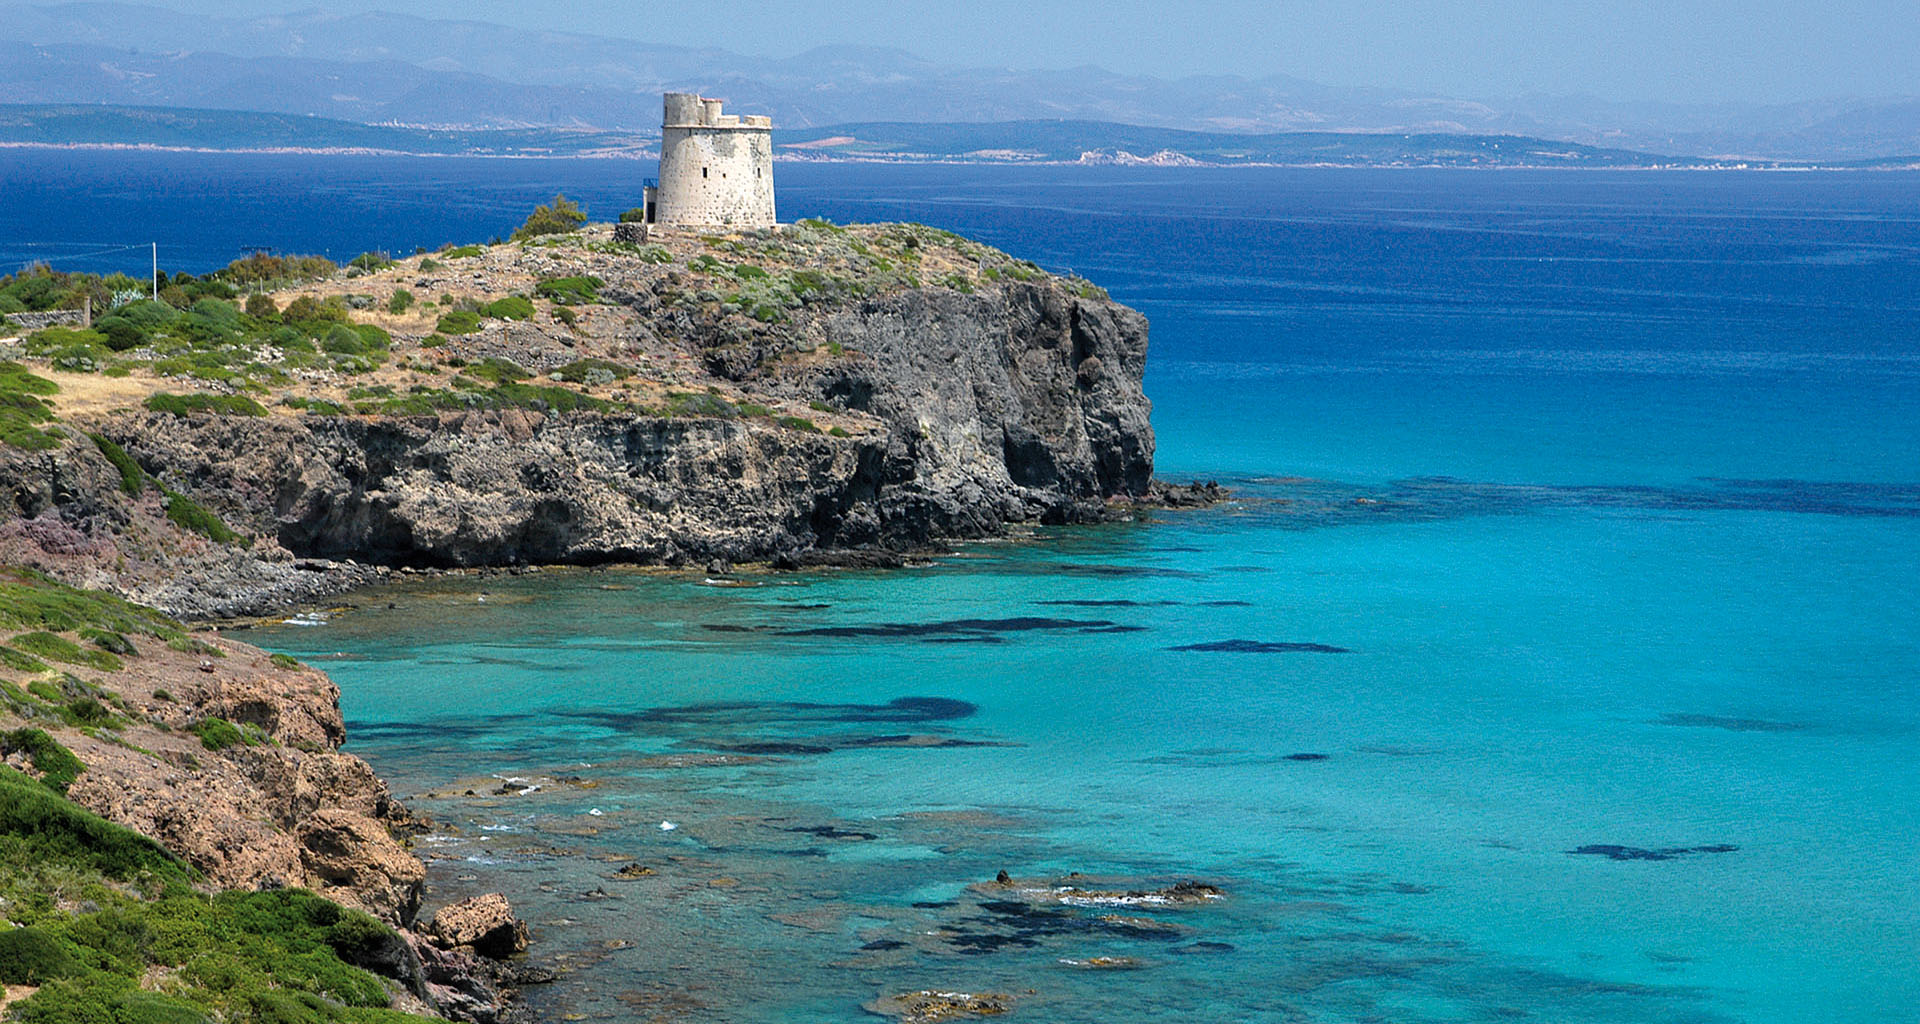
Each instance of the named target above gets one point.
<point>1262,647</point>
<point>1104,963</point>
<point>1612,852</point>
<point>1189,495</point>
<point>929,1006</point>
<point>1070,892</point>
<point>1203,948</point>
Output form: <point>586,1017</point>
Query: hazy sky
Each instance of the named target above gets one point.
<point>1681,50</point>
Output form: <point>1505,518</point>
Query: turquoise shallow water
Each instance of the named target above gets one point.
<point>1520,686</point>
<point>1605,489</point>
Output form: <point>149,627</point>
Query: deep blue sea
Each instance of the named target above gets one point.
<point>1601,491</point>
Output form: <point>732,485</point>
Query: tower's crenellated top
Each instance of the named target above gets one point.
<point>716,169</point>
<point>688,110</point>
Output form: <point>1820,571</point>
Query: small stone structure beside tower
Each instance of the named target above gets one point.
<point>716,170</point>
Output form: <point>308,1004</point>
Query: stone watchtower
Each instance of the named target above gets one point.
<point>716,170</point>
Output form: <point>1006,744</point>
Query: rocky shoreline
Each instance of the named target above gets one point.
<point>229,758</point>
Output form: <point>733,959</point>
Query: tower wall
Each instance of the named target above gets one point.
<point>716,170</point>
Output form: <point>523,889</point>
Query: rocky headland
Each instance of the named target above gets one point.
<point>802,395</point>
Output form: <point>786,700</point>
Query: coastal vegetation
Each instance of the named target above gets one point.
<point>559,217</point>
<point>22,409</point>
<point>109,928</point>
<point>295,333</point>
<point>102,925</point>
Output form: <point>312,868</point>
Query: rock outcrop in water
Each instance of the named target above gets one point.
<point>783,396</point>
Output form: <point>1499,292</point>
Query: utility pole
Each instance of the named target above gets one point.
<point>156,271</point>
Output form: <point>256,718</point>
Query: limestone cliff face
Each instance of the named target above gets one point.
<point>1019,404</point>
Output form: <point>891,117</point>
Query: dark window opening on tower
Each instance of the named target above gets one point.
<point>703,172</point>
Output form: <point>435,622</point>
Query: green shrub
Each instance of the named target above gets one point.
<point>33,600</point>
<point>313,406</point>
<point>202,402</point>
<point>494,370</point>
<point>285,660</point>
<point>76,349</point>
<point>560,217</point>
<point>21,409</point>
<point>428,263</point>
<point>188,514</point>
<point>120,333</point>
<point>133,479</point>
<point>576,290</point>
<point>433,341</point>
<point>546,399</point>
<point>462,252</point>
<point>219,734</point>
<point>592,371</point>
<point>401,302</point>
<point>101,998</point>
<point>513,307</point>
<point>281,956</point>
<point>800,423</point>
<point>86,711</point>
<point>306,309</point>
<point>637,215</point>
<point>33,956</point>
<point>218,313</point>
<point>458,321</point>
<point>14,377</point>
<point>699,404</point>
<point>36,824</point>
<point>54,647</point>
<point>262,268</point>
<point>371,261</point>
<point>108,640</point>
<point>20,661</point>
<point>566,315</point>
<point>838,432</point>
<point>194,645</point>
<point>342,340</point>
<point>57,765</point>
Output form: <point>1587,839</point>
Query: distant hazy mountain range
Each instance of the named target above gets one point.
<point>396,69</point>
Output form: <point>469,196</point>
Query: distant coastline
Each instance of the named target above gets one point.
<point>962,161</point>
<point>1009,143</point>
